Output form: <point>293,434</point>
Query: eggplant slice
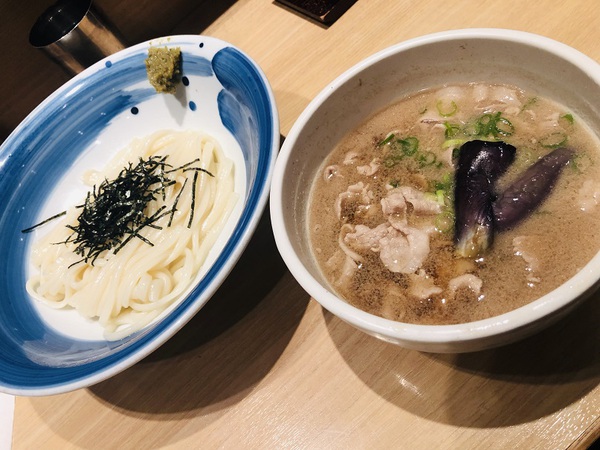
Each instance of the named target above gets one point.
<point>523,196</point>
<point>480,164</point>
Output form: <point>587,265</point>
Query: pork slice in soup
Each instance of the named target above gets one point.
<point>402,231</point>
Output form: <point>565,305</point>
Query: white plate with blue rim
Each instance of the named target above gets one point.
<point>224,93</point>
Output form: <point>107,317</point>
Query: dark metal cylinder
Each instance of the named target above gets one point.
<point>75,35</point>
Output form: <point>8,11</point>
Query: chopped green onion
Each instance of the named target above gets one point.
<point>387,139</point>
<point>431,196</point>
<point>446,113</point>
<point>554,140</point>
<point>503,127</point>
<point>451,130</point>
<point>490,125</point>
<point>440,195</point>
<point>410,145</point>
<point>470,129</point>
<point>445,184</point>
<point>453,143</point>
<point>409,148</point>
<point>568,117</point>
<point>444,222</point>
<point>525,157</point>
<point>426,159</point>
<point>529,103</point>
<point>391,161</point>
<point>581,162</point>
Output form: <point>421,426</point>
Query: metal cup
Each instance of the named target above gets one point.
<point>75,35</point>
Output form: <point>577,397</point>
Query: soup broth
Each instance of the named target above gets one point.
<point>382,208</point>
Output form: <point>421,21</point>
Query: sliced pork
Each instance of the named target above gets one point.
<point>404,252</point>
<point>355,200</point>
<point>468,281</point>
<point>400,251</point>
<point>370,169</point>
<point>588,196</point>
<point>422,286</point>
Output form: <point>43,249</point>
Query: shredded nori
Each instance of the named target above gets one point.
<point>116,211</point>
<point>43,222</point>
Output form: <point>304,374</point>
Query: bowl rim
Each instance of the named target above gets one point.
<point>245,232</point>
<point>429,335</point>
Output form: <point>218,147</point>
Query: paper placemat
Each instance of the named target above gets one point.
<point>7,413</point>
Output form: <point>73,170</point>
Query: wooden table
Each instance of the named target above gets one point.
<point>264,366</point>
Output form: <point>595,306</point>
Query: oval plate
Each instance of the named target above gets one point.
<point>224,93</point>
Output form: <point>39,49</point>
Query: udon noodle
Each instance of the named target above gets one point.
<point>125,290</point>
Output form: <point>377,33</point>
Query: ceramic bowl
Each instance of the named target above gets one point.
<point>223,93</point>
<point>550,68</point>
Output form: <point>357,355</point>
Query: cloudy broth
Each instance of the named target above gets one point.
<point>381,214</point>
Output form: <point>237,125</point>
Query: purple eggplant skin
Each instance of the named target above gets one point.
<point>522,197</point>
<point>479,165</point>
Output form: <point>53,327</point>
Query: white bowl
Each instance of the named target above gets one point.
<point>529,61</point>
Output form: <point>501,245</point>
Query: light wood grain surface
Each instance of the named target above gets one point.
<point>263,366</point>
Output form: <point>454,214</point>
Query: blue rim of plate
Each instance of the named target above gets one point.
<point>247,109</point>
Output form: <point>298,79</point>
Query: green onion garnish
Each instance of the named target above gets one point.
<point>554,140</point>
<point>387,140</point>
<point>490,125</point>
<point>426,159</point>
<point>446,112</point>
<point>568,117</point>
<point>451,130</point>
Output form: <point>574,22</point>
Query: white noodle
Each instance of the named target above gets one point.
<point>127,290</point>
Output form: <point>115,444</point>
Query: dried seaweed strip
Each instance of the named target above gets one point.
<point>114,212</point>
